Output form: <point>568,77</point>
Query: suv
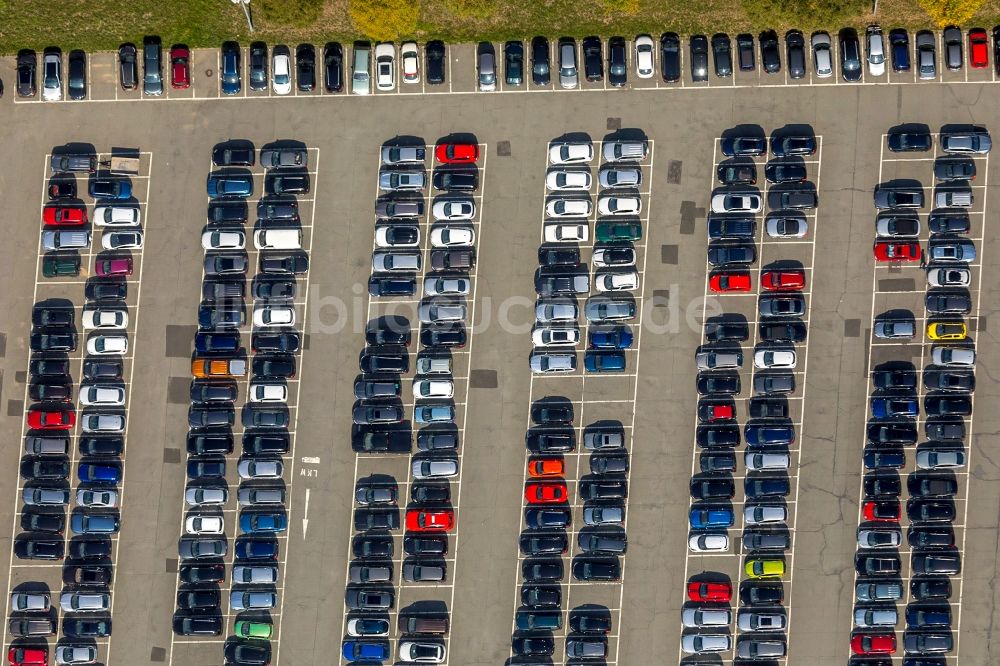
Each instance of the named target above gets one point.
<point>624,151</point>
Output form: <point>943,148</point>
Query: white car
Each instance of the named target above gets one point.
<point>268,316</point>
<point>564,180</point>
<point>385,66</point>
<point>102,395</point>
<point>446,235</point>
<point>356,627</point>
<point>107,345</point>
<point>616,281</point>
<point>51,77</point>
<point>446,286</point>
<point>281,72</point>
<point>223,240</point>
<point>423,652</point>
<point>644,58</point>
<point>104,318</point>
<point>774,358</point>
<point>454,209</point>
<point>555,336</point>
<point>97,498</point>
<point>568,208</point>
<point>433,388</point>
<point>204,525</point>
<point>250,468</point>
<point>618,256</point>
<point>397,235</point>
<point>116,216</point>
<point>267,392</point>
<point>410,57</point>
<point>948,277</point>
<point>122,240</point>
<point>822,55</point>
<point>953,356</point>
<point>875,51</point>
<point>102,422</point>
<point>736,202</point>
<point>566,233</point>
<point>615,205</point>
<point>708,543</point>
<point>762,514</point>
<point>571,153</point>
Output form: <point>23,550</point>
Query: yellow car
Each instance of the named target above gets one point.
<point>761,568</point>
<point>947,330</point>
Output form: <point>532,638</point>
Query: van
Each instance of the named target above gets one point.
<point>624,151</point>
<point>419,624</point>
<point>360,76</point>
<point>46,445</point>
<point>65,240</point>
<point>278,239</point>
<point>959,198</point>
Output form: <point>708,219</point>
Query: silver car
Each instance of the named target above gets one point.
<point>762,514</point>
<point>754,621</point>
<point>569,76</point>
<point>604,515</point>
<point>718,360</point>
<point>256,574</point>
<point>84,602</point>
<point>705,643</point>
<point>822,58</point>
<point>102,423</point>
<point>401,181</point>
<point>21,602</point>
<point>403,154</point>
<point>249,468</point>
<point>925,55</point>
<point>256,496</point>
<point>206,495</point>
<point>620,177</point>
<point>953,356</point>
<point>875,617</point>
<point>893,329</point>
<point>446,286</point>
<point>555,311</point>
<point>75,654</point>
<point>706,617</point>
<point>39,496</point>
<point>552,362</point>
<point>435,468</point>
<point>430,313</point>
<point>241,600</point>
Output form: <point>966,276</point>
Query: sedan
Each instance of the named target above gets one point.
<point>742,202</point>
<point>545,493</point>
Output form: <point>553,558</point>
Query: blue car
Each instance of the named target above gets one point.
<point>263,523</point>
<point>760,436</point>
<point>366,650</point>
<point>256,549</point>
<point>615,337</point>
<point>108,188</point>
<point>217,343</point>
<point>105,475</point>
<point>890,407</point>
<point>434,414</point>
<point>229,76</point>
<point>228,185</point>
<point>384,287</point>
<point>604,361</point>
<point>708,519</point>
<point>94,523</point>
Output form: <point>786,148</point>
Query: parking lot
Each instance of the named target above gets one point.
<point>655,398</point>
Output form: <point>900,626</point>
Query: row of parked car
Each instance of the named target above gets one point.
<point>948,382</point>
<point>218,363</point>
<point>769,431</point>
<point>379,417</point>
<point>52,419</point>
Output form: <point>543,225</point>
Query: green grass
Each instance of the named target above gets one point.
<point>101,25</point>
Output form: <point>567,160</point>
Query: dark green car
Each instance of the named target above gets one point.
<point>610,232</point>
<point>60,264</point>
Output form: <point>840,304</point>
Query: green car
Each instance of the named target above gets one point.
<point>610,232</point>
<point>247,629</point>
<point>56,264</point>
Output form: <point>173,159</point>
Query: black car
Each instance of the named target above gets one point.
<point>258,66</point>
<point>544,413</point>
<point>722,54</point>
<point>708,488</point>
<point>850,55</point>
<point>128,66</point>
<point>950,380</point>
<point>899,46</point>
<point>388,330</point>
<point>718,436</point>
<point>102,446</point>
<point>719,331</point>
<point>367,546</point>
<point>53,340</point>
<point>333,67</point>
<point>882,485</point>
<point>541,543</point>
<point>93,575</point>
<point>558,256</point>
<point>670,57</point>
<point>266,443</point>
<point>43,522</point>
<point>48,367</point>
<point>99,290</point>
<point>425,545</point>
<point>782,331</point>
<point>718,382</point>
<point>90,549</point>
<point>735,172</point>
<point>206,468</point>
<point>44,316</point>
<point>768,408</point>
<point>379,287</point>
<point>926,538</point>
<point>513,60</point>
<point>97,627</point>
<point>539,596</point>
<point>903,380</point>
<point>456,180</point>
<point>550,440</point>
<point>593,61</point>
<point>766,486</point>
<point>50,392</point>
<point>27,66</point>
<point>198,625</point>
<point>744,49</point>
<point>250,653</point>
<point>764,594</point>
<point>930,587</point>
<point>434,51</point>
<point>384,359</point>
<point>945,429</point>
<point>103,370</point>
<point>276,365</point>
<point>617,62</point>
<point>76,80</point>
<point>868,563</point>
<point>542,570</point>
<point>288,183</point>
<point>948,223</point>
<point>699,58</point>
<point>910,141</point>
<point>945,405</point>
<point>430,494</point>
<point>209,442</point>
<point>785,172</point>
<point>39,548</point>
<point>213,392</point>
<point>381,441</point>
<point>532,646</point>
<point>892,433</point>
<point>770,56</point>
<point>305,65</point>
<point>930,511</point>
<point>540,65</point>
<point>443,336</point>
<point>590,569</point>
<point>44,468</point>
<point>287,342</point>
<point>795,51</point>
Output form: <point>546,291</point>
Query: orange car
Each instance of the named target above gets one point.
<point>545,468</point>
<point>218,367</point>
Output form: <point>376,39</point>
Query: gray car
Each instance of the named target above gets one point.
<point>40,496</point>
<point>394,208</point>
<point>256,496</point>
<point>952,48</point>
<point>888,329</point>
<point>604,308</point>
<point>752,648</point>
<point>604,515</point>
<point>152,81</point>
<point>401,181</point>
<point>761,621</point>
<point>925,55</point>
<point>878,591</point>
<point>195,548</point>
<point>284,157</point>
<point>569,75</point>
<point>719,360</point>
<point>976,141</point>
<point>952,250</point>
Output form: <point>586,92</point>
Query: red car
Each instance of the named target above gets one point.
<point>545,493</point>
<point>546,468</point>
<point>889,251</point>
<point>109,267</point>
<point>783,280</point>
<point>873,643</point>
<point>180,72</point>
<point>64,216</point>
<point>723,282</point>
<point>430,520</point>
<point>711,412</point>
<point>887,510</point>
<point>978,48</point>
<point>710,591</point>
<point>457,153</point>
<point>41,419</point>
<point>27,656</point>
